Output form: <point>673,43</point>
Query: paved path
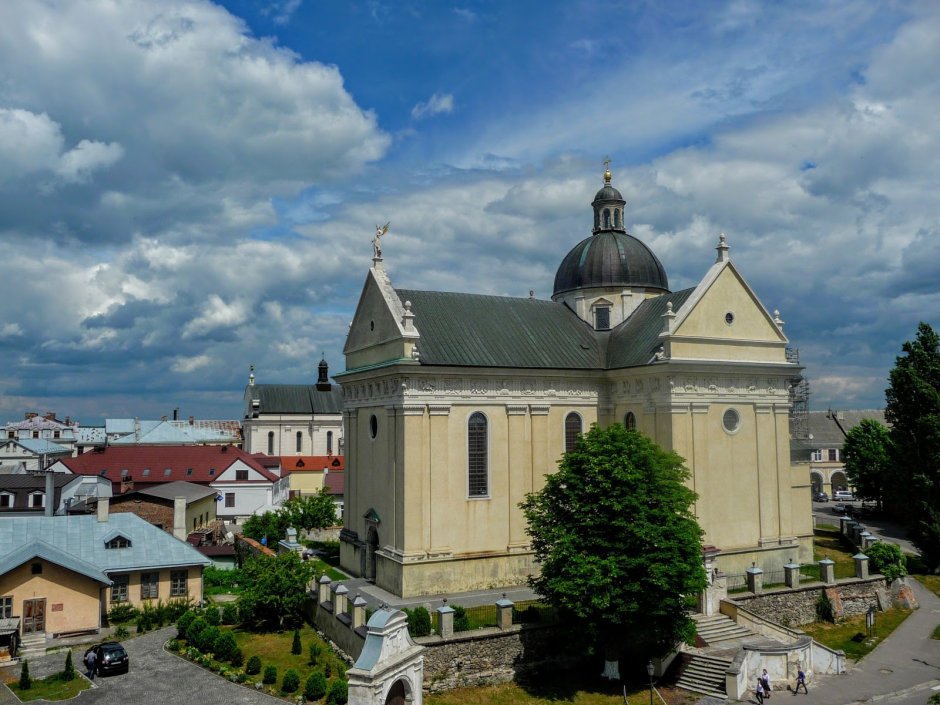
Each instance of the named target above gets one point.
<point>155,677</point>
<point>376,596</point>
<point>902,669</point>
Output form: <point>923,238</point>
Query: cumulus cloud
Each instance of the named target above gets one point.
<point>435,105</point>
<point>190,364</point>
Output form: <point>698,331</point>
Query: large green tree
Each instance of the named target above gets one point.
<point>867,455</point>
<point>274,590</point>
<point>618,544</point>
<point>913,410</point>
<point>309,512</point>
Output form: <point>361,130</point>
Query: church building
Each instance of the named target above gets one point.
<point>458,405</point>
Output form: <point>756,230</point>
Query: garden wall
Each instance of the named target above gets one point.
<point>795,607</point>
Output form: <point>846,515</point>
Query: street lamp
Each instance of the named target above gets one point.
<point>649,672</point>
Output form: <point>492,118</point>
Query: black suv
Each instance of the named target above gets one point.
<point>110,658</point>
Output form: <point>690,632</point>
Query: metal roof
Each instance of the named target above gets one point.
<point>171,490</point>
<point>829,428</point>
<point>496,331</point>
<point>610,258</point>
<point>78,543</point>
<point>295,398</point>
<point>40,446</point>
<point>636,340</point>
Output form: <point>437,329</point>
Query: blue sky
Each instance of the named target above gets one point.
<point>188,187</point>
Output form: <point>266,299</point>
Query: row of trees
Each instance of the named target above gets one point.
<point>899,467</point>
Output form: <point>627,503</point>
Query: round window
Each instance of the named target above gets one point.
<point>373,426</point>
<point>731,421</point>
<point>729,318</point>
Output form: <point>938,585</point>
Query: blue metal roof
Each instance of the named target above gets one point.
<point>40,446</point>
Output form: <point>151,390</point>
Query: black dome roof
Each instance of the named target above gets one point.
<point>610,258</point>
<point>608,193</point>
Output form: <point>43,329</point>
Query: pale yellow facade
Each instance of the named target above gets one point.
<point>717,393</point>
<point>70,601</point>
<point>134,595</point>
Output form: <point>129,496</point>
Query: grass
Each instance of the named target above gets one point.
<point>936,632</point>
<point>49,688</point>
<point>327,561</point>
<point>837,551</point>
<point>555,689</point>
<point>850,635</point>
<point>931,582</point>
<point>827,527</point>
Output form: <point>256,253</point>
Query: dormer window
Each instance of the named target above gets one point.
<point>6,499</point>
<point>118,542</point>
<point>602,318</point>
<point>37,500</point>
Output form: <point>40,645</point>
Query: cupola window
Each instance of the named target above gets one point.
<point>607,218</point>
<point>602,318</point>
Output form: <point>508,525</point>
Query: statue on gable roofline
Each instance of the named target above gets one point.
<point>380,230</point>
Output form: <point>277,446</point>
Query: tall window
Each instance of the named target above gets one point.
<point>602,318</point>
<point>572,431</point>
<point>149,586</point>
<point>629,421</point>
<point>817,456</point>
<point>119,588</point>
<point>300,441</point>
<point>833,454</point>
<point>6,607</point>
<point>329,443</point>
<point>229,499</point>
<point>178,583</point>
<point>477,480</point>
<point>270,442</point>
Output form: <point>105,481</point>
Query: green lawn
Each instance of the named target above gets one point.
<point>936,633</point>
<point>931,582</point>
<point>837,550</point>
<point>850,635</point>
<point>50,688</point>
<point>328,562</point>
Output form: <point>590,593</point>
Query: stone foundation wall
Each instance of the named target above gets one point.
<point>797,606</point>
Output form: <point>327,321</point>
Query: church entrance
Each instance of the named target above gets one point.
<point>372,545</point>
<point>396,694</point>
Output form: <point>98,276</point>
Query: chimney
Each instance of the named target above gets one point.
<point>49,416</point>
<point>191,419</point>
<point>176,414</point>
<point>163,418</point>
<point>31,415</point>
<point>179,518</point>
<point>50,494</point>
<point>103,506</point>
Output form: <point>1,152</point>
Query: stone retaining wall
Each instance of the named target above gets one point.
<point>489,656</point>
<point>794,607</point>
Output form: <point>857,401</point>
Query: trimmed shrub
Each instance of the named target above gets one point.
<point>253,667</point>
<point>315,687</point>
<point>173,645</point>
<point>213,617</point>
<point>291,681</point>
<point>461,621</point>
<point>225,646</point>
<point>229,614</point>
<point>206,640</point>
<point>142,625</point>
<point>68,672</point>
<point>25,681</point>
<point>183,622</point>
<point>123,612</point>
<point>194,628</point>
<point>339,693</point>
<point>237,659</point>
<point>121,633</point>
<point>419,621</point>
<point>315,652</point>
<point>296,647</point>
<point>270,675</point>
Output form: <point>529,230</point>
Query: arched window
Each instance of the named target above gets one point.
<point>329,443</point>
<point>270,442</point>
<point>606,217</point>
<point>616,217</point>
<point>477,471</point>
<point>572,431</point>
<point>300,441</point>
<point>629,421</point>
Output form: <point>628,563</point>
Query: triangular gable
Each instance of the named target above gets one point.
<point>721,292</point>
<point>48,552</point>
<point>229,474</point>
<point>378,317</point>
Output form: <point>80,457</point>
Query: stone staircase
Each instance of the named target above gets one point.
<point>718,628</point>
<point>32,645</point>
<point>703,674</point>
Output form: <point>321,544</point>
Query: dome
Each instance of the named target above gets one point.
<point>608,193</point>
<point>610,259</point>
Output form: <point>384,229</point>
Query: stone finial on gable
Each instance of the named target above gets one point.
<point>669,318</point>
<point>408,319</point>
<point>722,249</point>
<point>251,375</point>
<point>778,321</point>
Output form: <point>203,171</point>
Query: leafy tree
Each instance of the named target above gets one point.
<point>913,410</point>
<point>309,512</point>
<point>867,453</point>
<point>315,687</point>
<point>886,558</point>
<point>275,590</point>
<point>617,542</point>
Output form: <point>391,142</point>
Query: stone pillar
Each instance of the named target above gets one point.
<point>791,574</point>
<point>755,579</point>
<point>844,525</point>
<point>358,612</point>
<point>339,599</point>
<point>827,572</point>
<point>861,565</point>
<point>445,621</point>
<point>864,539</point>
<point>504,612</point>
<point>855,529</point>
<point>323,594</point>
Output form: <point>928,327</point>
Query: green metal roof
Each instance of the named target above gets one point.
<point>471,330</point>
<point>296,399</point>
<point>636,340</point>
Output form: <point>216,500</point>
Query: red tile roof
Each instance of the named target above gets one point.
<point>335,483</point>
<point>148,464</point>
<point>301,463</point>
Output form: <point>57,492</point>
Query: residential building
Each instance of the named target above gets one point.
<point>29,494</point>
<point>120,432</point>
<point>176,507</point>
<point>457,405</point>
<point>46,427</point>
<point>35,454</point>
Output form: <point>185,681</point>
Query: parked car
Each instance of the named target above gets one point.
<point>844,496</point>
<point>820,497</point>
<point>841,508</point>
<point>110,658</point>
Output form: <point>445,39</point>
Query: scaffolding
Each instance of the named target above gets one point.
<point>799,400</point>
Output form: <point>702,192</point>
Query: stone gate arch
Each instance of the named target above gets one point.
<point>390,668</point>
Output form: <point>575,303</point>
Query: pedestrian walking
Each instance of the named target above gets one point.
<point>800,681</point>
<point>765,679</point>
<point>759,691</point>
<point>90,661</point>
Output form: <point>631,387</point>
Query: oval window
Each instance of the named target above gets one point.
<point>729,318</point>
<point>373,426</point>
<point>731,421</point>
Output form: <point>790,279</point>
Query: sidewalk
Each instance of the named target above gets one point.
<point>907,659</point>
<point>377,597</point>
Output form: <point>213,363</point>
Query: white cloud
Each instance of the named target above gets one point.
<point>435,105</point>
<point>216,314</point>
<point>78,163</point>
<point>190,364</point>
